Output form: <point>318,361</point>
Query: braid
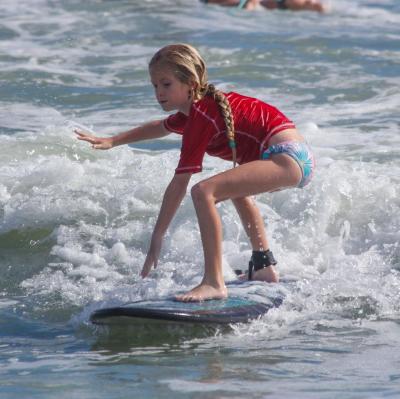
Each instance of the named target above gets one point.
<point>226,112</point>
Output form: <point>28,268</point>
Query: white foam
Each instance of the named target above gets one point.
<point>103,206</point>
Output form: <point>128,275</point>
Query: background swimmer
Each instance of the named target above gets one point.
<point>293,5</point>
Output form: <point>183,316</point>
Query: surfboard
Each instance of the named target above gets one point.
<point>227,311</point>
<point>234,309</point>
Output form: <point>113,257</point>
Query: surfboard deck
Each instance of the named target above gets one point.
<point>234,309</point>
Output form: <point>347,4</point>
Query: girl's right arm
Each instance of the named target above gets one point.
<point>173,197</point>
<point>148,131</point>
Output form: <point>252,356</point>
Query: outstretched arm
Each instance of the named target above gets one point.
<point>148,131</point>
<point>173,197</point>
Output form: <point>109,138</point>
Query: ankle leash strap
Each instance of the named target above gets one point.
<point>260,260</point>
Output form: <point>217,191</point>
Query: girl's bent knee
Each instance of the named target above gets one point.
<point>200,192</point>
<point>196,192</point>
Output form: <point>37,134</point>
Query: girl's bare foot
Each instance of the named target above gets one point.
<point>203,292</point>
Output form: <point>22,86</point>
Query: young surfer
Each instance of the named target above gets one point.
<point>267,152</point>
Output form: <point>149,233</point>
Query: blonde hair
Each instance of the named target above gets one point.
<point>186,64</point>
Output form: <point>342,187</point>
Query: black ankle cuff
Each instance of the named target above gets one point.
<point>260,260</point>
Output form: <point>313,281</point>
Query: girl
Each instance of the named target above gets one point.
<point>270,153</point>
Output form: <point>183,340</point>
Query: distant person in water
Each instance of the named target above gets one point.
<point>294,5</point>
<point>267,152</point>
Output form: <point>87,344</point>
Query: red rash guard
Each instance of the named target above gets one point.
<point>204,130</point>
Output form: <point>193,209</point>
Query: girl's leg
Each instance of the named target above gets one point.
<point>253,224</point>
<point>212,285</point>
<point>252,178</point>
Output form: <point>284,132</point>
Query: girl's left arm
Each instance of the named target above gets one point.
<point>151,130</point>
<point>173,197</point>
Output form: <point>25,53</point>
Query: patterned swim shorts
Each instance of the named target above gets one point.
<point>300,152</point>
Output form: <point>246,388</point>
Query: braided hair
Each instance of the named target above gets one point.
<point>187,65</point>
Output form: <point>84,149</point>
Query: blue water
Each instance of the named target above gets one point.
<point>75,223</point>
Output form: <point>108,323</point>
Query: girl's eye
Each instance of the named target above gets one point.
<point>167,84</point>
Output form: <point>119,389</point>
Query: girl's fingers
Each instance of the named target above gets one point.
<point>79,133</point>
<point>84,136</point>
<point>146,267</point>
<point>148,264</point>
<point>87,137</point>
<point>145,271</point>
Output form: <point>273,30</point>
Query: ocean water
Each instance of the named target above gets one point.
<point>75,223</point>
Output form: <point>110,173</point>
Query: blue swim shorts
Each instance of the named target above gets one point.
<point>300,152</point>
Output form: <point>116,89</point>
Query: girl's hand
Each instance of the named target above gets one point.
<point>152,256</point>
<point>98,143</point>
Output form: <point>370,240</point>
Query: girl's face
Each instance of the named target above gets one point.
<point>170,92</point>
